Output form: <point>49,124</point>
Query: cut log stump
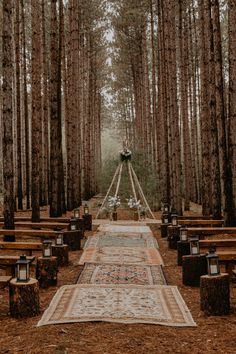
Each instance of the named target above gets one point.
<point>24,298</point>
<point>173,236</point>
<point>73,239</point>
<point>46,271</point>
<point>62,254</point>
<point>215,294</point>
<point>87,222</point>
<point>164,230</point>
<point>194,266</point>
<point>183,249</point>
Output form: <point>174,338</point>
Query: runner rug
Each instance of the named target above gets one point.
<point>121,241</point>
<point>124,228</point>
<point>118,303</point>
<point>121,274</point>
<point>121,255</point>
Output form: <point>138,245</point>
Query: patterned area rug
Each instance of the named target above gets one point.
<point>121,255</point>
<point>123,303</point>
<point>122,274</point>
<point>125,228</point>
<point>121,241</point>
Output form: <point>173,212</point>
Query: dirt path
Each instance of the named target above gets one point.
<point>213,334</point>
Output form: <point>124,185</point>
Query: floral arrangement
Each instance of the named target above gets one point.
<point>133,204</point>
<point>113,202</point>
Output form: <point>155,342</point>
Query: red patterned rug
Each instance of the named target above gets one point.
<point>122,274</point>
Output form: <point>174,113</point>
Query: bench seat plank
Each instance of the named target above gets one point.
<point>11,260</point>
<point>36,246</point>
<point>202,222</point>
<point>211,230</point>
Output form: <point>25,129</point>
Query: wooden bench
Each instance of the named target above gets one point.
<point>194,217</point>
<point>225,249</point>
<point>10,261</point>
<point>28,247</point>
<point>4,280</point>
<point>203,231</point>
<point>40,225</point>
<point>71,238</point>
<point>42,219</point>
<point>201,222</point>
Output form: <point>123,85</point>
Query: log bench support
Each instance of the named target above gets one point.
<point>87,222</point>
<point>24,298</point>
<point>164,230</point>
<point>215,294</point>
<point>46,271</point>
<point>183,249</point>
<point>62,254</point>
<point>173,236</point>
<point>73,239</point>
<point>194,266</point>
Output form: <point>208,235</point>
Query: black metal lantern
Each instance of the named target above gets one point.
<point>165,218</point>
<point>76,213</point>
<point>166,207</point>
<point>74,224</point>
<point>47,248</point>
<point>194,245</point>
<point>183,234</point>
<point>86,209</point>
<point>174,219</point>
<point>59,238</point>
<point>213,266</point>
<point>22,269</point>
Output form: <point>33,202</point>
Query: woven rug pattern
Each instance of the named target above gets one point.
<point>121,274</point>
<point>125,228</point>
<point>121,241</point>
<point>119,303</point>
<point>118,255</point>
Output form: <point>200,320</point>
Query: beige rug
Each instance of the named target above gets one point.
<point>118,240</point>
<point>122,303</point>
<point>125,228</point>
<point>122,274</point>
<point>121,255</point>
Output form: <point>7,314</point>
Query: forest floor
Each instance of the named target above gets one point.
<point>213,334</point>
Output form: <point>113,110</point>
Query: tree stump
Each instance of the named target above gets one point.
<point>183,249</point>
<point>193,267</point>
<point>73,239</point>
<point>46,271</point>
<point>164,230</point>
<point>24,298</point>
<point>215,294</point>
<point>81,226</point>
<point>87,222</point>
<point>173,236</point>
<point>62,254</point>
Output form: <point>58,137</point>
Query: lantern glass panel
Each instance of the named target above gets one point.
<point>77,213</point>
<point>47,249</point>
<point>22,269</point>
<point>174,220</point>
<point>166,220</point>
<point>183,235</point>
<point>59,239</point>
<point>73,224</point>
<point>86,209</point>
<point>194,247</point>
<point>213,263</point>
<point>166,207</point>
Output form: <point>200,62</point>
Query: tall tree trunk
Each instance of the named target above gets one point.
<point>26,112</point>
<point>36,109</point>
<point>7,115</point>
<point>232,112</point>
<point>18,105</point>
<point>55,121</point>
